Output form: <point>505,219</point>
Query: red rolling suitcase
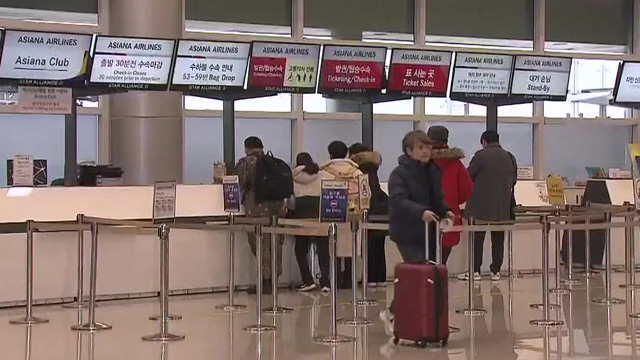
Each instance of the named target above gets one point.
<point>421,305</point>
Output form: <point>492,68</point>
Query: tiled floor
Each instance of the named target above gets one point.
<point>590,331</point>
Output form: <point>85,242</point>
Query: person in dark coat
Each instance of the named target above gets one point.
<point>369,162</point>
<point>415,200</point>
<point>494,172</point>
<point>456,182</point>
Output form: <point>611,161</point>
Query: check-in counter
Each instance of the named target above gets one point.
<point>128,259</point>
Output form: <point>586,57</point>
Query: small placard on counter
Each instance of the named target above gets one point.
<point>334,201</point>
<point>164,201</point>
<point>231,190</point>
<point>525,173</point>
<point>364,192</point>
<point>23,170</point>
<point>555,188</point>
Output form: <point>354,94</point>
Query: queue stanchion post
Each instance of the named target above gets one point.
<point>559,288</point>
<point>29,319</point>
<point>471,310</point>
<point>79,303</point>
<point>93,325</point>
<point>608,299</point>
<point>259,327</point>
<point>164,335</point>
<point>364,235</point>
<point>546,321</point>
<point>334,338</point>
<point>355,320</point>
<point>512,275</point>
<point>570,280</point>
<point>452,329</point>
<point>275,309</point>
<point>630,237</point>
<point>231,306</point>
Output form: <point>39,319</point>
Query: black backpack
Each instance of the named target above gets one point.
<point>274,179</point>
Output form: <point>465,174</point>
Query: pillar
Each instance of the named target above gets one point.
<point>146,126</point>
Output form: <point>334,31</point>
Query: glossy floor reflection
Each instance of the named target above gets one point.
<point>590,331</point>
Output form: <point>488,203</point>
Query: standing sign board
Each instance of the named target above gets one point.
<point>209,66</point>
<point>280,67</point>
<point>164,201</point>
<point>419,72</point>
<point>541,78</point>
<point>334,204</point>
<point>231,191</point>
<point>352,70</point>
<point>634,153</point>
<point>555,189</point>
<point>131,63</point>
<point>44,59</point>
<point>481,75</point>
<point>23,170</point>
<point>364,191</point>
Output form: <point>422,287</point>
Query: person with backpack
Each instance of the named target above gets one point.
<point>306,189</point>
<point>369,162</point>
<point>415,202</point>
<point>456,182</point>
<point>341,168</point>
<point>265,183</point>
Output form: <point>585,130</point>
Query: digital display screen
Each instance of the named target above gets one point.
<point>419,72</point>
<point>541,78</point>
<point>481,75</point>
<point>352,69</point>
<point>289,68</point>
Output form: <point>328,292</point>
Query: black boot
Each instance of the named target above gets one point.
<point>266,288</point>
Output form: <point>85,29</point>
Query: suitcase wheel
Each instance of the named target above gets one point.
<point>445,341</point>
<point>396,341</point>
<point>422,343</point>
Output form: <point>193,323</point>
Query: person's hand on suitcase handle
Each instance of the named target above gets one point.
<point>429,216</point>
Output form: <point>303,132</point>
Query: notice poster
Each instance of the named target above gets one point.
<point>23,170</point>
<point>481,75</point>
<point>291,68</point>
<point>231,191</point>
<point>634,154</point>
<point>525,173</point>
<point>627,88</point>
<point>36,100</point>
<point>555,190</point>
<point>419,72</point>
<point>364,191</point>
<point>334,203</point>
<point>541,78</point>
<point>132,63</point>
<point>209,66</point>
<point>164,201</point>
<point>352,69</point>
<point>44,59</point>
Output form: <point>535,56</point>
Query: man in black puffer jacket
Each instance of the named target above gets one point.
<point>415,200</point>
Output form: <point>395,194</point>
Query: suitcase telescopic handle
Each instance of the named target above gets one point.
<point>438,242</point>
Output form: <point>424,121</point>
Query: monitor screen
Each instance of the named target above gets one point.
<point>627,89</point>
<point>291,68</point>
<point>481,75</point>
<point>352,69</point>
<point>209,65</point>
<point>541,78</point>
<point>132,63</point>
<point>44,59</point>
<point>419,72</point>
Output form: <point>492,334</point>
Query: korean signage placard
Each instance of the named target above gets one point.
<point>283,67</point>
<point>334,201</point>
<point>419,72</point>
<point>36,100</point>
<point>555,189</point>
<point>541,78</point>
<point>628,83</point>
<point>23,170</point>
<point>209,65</point>
<point>231,192</point>
<point>481,75</point>
<point>44,59</point>
<point>132,63</point>
<point>352,70</point>
<point>164,201</point>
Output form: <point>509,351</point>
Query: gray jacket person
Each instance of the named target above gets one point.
<point>493,171</point>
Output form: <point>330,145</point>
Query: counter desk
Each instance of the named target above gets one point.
<point>128,259</point>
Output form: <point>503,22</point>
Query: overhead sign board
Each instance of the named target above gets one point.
<point>419,72</point>
<point>44,59</point>
<point>541,78</point>
<point>352,69</point>
<point>209,66</point>
<point>132,63</point>
<point>481,75</point>
<point>627,89</point>
<point>281,67</point>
